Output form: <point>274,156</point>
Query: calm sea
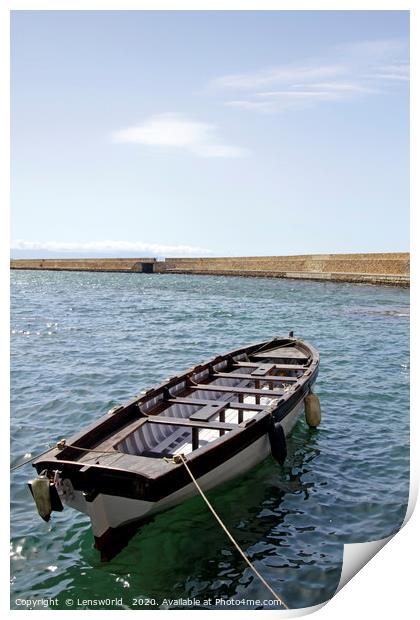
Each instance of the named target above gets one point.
<point>83,342</point>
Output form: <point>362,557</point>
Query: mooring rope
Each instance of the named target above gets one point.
<point>175,459</point>
<point>181,457</point>
<point>29,460</point>
<point>267,344</point>
<point>61,445</point>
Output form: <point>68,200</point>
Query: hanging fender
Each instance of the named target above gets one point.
<point>312,410</point>
<point>277,441</point>
<point>45,495</point>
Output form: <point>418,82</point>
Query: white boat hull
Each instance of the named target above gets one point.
<point>109,511</point>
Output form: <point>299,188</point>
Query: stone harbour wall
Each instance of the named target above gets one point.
<point>82,264</point>
<point>380,268</point>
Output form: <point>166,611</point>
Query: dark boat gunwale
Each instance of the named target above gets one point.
<point>145,470</point>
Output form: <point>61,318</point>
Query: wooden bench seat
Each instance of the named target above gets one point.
<point>269,366</point>
<point>194,425</point>
<point>252,377</point>
<point>228,404</point>
<point>262,371</point>
<point>235,390</point>
<point>216,425</point>
<point>209,411</point>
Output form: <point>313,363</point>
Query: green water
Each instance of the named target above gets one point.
<point>82,342</point>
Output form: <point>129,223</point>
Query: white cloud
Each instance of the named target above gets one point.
<point>175,131</point>
<point>277,75</point>
<point>357,69</point>
<point>110,246</point>
<point>391,72</point>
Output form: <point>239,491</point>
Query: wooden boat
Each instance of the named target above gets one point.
<point>224,416</point>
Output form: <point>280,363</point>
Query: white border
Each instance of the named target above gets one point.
<point>386,586</point>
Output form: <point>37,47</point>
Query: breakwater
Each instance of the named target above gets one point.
<point>379,268</point>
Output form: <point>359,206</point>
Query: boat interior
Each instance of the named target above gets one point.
<point>212,400</point>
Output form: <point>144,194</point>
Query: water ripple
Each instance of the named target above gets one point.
<point>82,343</point>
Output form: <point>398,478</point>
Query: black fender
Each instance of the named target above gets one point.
<point>277,441</point>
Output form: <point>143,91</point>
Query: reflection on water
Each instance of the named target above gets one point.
<point>83,342</point>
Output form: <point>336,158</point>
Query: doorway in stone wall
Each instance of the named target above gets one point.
<point>147,267</point>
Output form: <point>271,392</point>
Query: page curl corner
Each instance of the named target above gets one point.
<point>356,556</point>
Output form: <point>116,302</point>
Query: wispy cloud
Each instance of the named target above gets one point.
<point>107,247</point>
<point>175,131</point>
<point>391,72</point>
<point>357,69</point>
<point>277,75</point>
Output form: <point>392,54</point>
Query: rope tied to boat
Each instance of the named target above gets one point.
<point>180,458</point>
<point>29,460</point>
<point>280,346</point>
<point>63,444</point>
<point>60,445</point>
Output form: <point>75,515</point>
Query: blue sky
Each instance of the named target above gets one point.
<point>209,133</point>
